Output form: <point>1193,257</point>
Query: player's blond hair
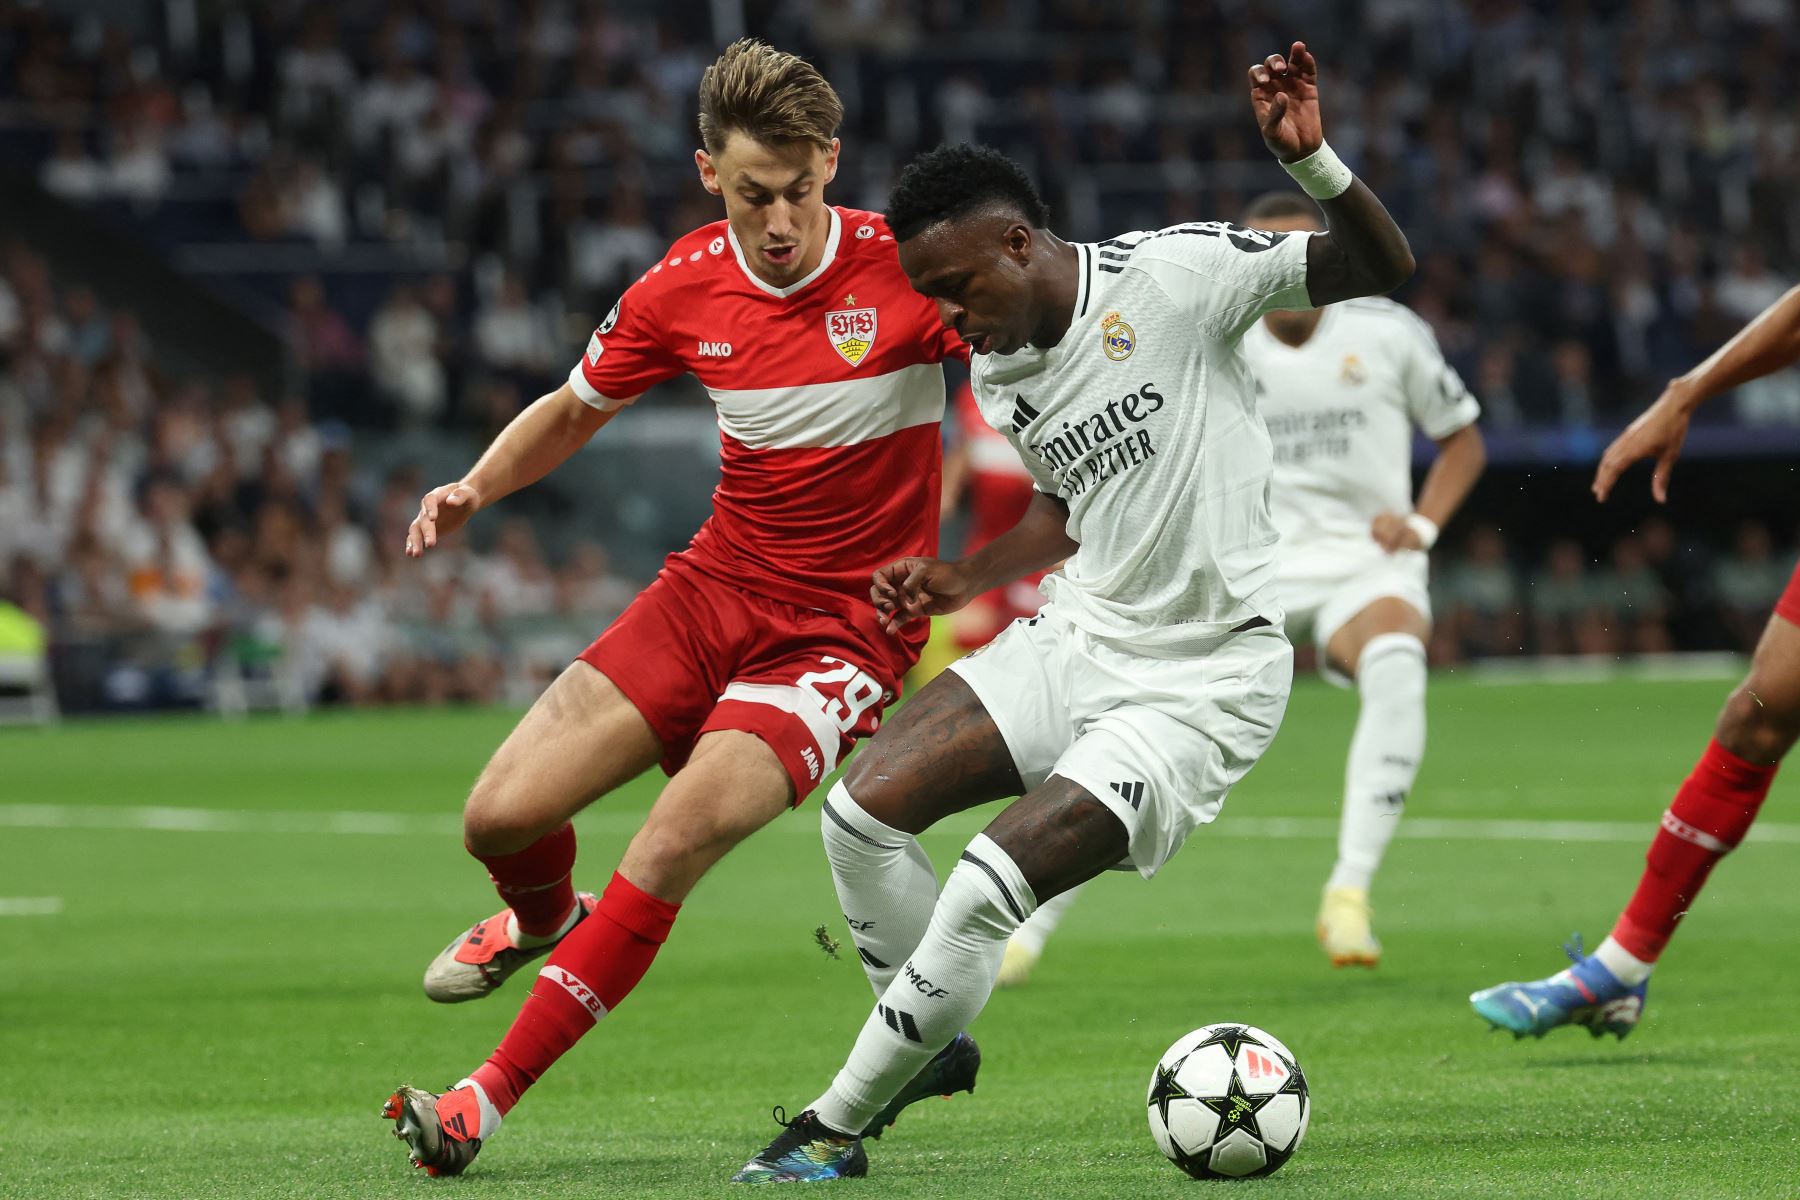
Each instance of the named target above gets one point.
<point>769,96</point>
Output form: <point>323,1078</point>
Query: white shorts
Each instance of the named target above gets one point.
<point>1159,741</point>
<point>1322,591</point>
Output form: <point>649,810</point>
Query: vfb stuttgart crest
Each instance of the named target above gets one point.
<point>852,332</point>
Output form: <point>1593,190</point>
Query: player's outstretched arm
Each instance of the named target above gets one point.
<point>1764,346</point>
<point>1365,253</point>
<point>912,588</point>
<point>533,444</point>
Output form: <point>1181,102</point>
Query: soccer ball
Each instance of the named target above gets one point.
<point>1227,1102</point>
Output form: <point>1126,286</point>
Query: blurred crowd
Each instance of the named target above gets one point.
<point>186,542</point>
<point>1648,592</point>
<point>1599,190</point>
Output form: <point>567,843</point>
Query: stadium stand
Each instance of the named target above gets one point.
<point>422,207</point>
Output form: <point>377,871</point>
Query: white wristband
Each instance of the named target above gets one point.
<point>1425,528</point>
<point>1321,174</point>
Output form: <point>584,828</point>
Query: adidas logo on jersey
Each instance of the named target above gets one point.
<point>715,349</point>
<point>1132,793</point>
<point>1023,414</point>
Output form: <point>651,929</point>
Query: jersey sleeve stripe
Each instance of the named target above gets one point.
<point>590,396</point>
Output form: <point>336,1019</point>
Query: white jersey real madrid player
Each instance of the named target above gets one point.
<point>1158,671</point>
<point>1340,409</point>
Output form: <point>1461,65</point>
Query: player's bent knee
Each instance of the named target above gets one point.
<point>1754,729</point>
<point>492,825</point>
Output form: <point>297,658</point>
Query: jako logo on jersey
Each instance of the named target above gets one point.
<point>1116,337</point>
<point>1352,373</point>
<point>865,231</point>
<point>715,349</point>
<point>852,332</point>
<point>812,761</point>
<point>595,350</point>
<point>716,246</point>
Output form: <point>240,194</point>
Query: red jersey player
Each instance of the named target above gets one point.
<point>754,661</point>
<point>1716,805</point>
<point>983,466</point>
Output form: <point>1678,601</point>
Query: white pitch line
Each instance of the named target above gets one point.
<point>391,824</point>
<point>30,906</point>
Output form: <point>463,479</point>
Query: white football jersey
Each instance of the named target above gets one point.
<point>1143,420</point>
<point>1341,408</point>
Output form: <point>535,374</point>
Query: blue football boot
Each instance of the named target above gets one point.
<point>1583,994</point>
<point>806,1152</point>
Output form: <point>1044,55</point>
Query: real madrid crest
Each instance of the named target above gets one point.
<point>852,331</point>
<point>1352,372</point>
<point>1116,337</point>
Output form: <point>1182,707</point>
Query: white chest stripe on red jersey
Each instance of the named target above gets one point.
<point>832,414</point>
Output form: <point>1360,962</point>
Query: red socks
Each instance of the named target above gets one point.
<point>535,881</point>
<point>1711,814</point>
<point>589,973</point>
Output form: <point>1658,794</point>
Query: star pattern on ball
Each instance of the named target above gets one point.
<point>1232,1038</point>
<point>1237,1108</point>
<point>1296,1082</point>
<point>1167,1089</point>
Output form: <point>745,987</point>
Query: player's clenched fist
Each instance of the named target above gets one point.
<point>1392,533</point>
<point>443,510</point>
<point>911,588</point>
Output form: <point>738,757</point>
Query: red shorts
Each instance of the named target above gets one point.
<point>694,654</point>
<point>1788,607</point>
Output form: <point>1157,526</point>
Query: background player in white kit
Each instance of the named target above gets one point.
<point>1341,389</point>
<point>1122,714</point>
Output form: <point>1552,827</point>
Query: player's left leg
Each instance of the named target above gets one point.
<point>732,785</point>
<point>1056,836</point>
<point>1382,648</point>
<point>1131,787</point>
<point>1710,815</point>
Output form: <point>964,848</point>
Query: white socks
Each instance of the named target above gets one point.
<point>1033,934</point>
<point>1384,754</point>
<point>938,991</point>
<point>885,884</point>
<point>1626,967</point>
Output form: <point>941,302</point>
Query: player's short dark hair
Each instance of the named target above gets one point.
<point>1277,206</point>
<point>952,181</point>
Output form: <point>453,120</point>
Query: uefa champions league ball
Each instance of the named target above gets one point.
<point>1228,1102</point>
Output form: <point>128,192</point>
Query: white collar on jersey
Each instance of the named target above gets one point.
<point>825,260</point>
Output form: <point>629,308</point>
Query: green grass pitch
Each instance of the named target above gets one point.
<point>222,1002</point>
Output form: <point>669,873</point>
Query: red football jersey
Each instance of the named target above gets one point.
<point>829,394</point>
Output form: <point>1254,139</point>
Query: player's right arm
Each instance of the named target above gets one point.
<point>532,445</point>
<point>625,357</point>
<point>1766,345</point>
<point>911,588</point>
